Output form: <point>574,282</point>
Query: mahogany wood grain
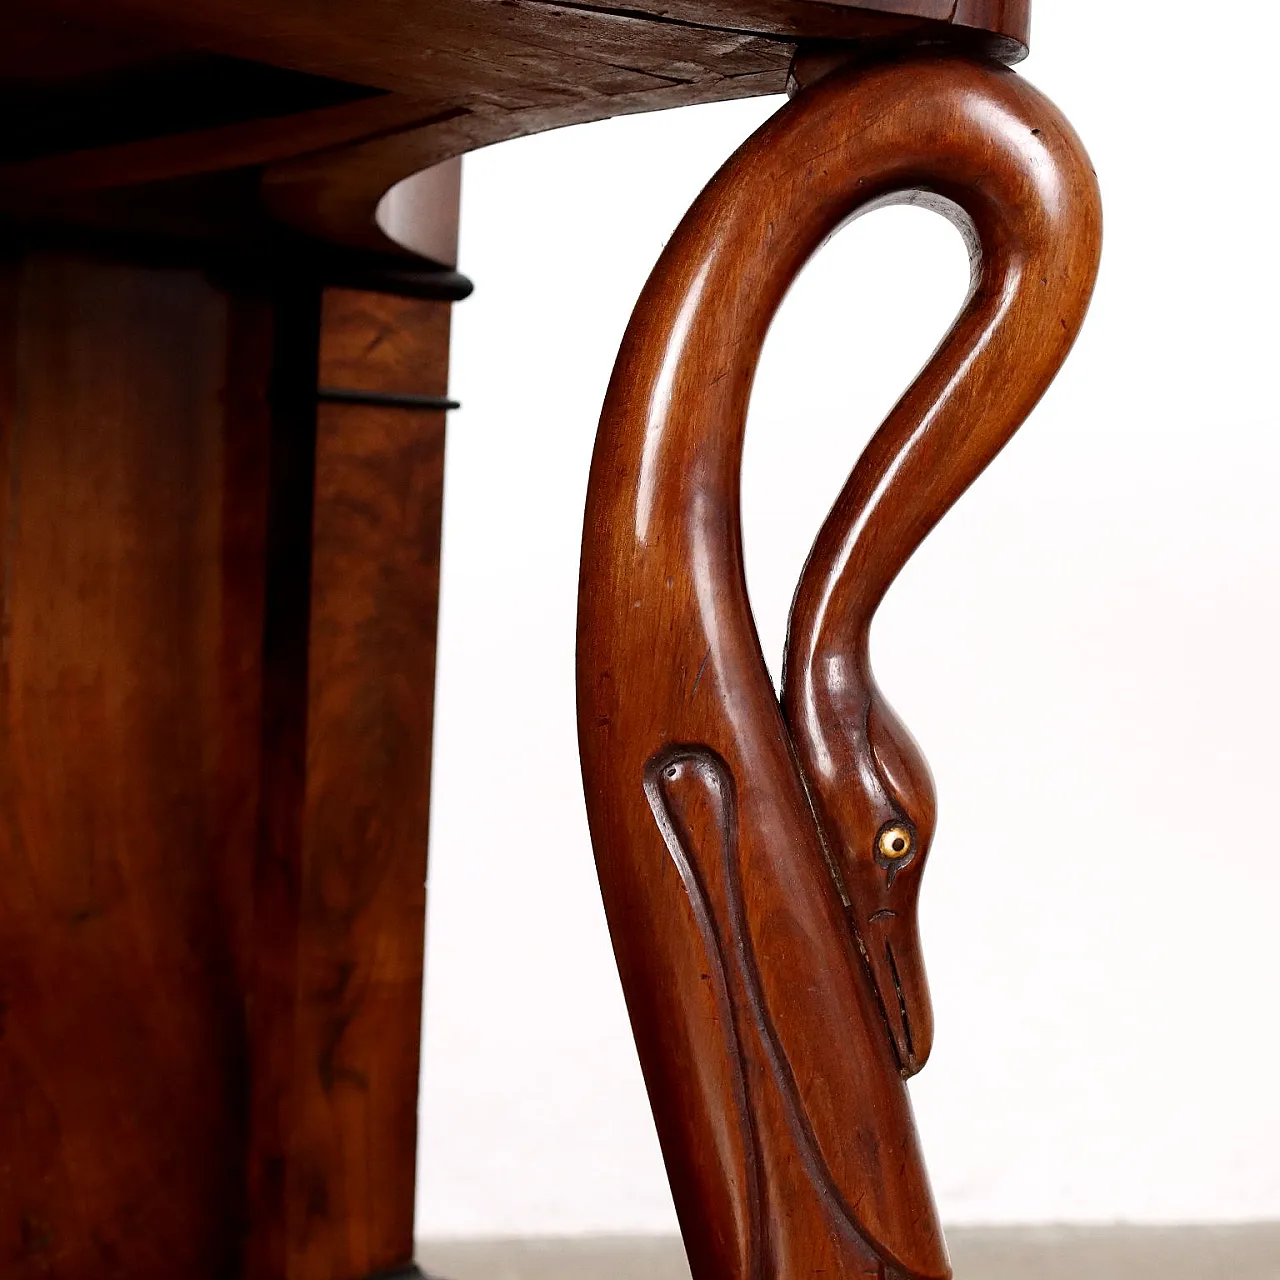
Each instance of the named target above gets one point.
<point>760,862</point>
<point>512,56</point>
<point>133,465</point>
<point>215,729</point>
<point>381,342</point>
<point>376,555</point>
<point>333,195</point>
<point>334,1151</point>
<point>454,75</point>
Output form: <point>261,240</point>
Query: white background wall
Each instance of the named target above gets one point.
<point>1086,648</point>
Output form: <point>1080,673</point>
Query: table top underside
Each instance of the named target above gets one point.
<point>230,120</point>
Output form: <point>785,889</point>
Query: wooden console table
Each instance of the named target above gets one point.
<point>225,284</point>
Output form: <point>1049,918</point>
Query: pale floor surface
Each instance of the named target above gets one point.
<point>1037,1253</point>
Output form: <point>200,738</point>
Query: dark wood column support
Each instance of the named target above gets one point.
<point>349,684</point>
<point>760,861</point>
<point>219,602</point>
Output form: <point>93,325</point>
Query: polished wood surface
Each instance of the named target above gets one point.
<point>335,1181</point>
<point>133,424</point>
<point>215,119</point>
<point>215,728</point>
<point>386,344</point>
<point>760,862</point>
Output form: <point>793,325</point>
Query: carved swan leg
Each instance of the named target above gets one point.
<point>760,862</point>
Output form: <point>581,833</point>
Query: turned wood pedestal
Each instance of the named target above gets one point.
<point>227,237</point>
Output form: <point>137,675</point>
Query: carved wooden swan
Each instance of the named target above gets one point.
<point>760,863</point>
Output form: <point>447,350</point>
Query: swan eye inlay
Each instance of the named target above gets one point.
<point>895,843</point>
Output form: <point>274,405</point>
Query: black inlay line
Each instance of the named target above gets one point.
<point>384,399</point>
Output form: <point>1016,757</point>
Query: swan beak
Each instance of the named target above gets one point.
<point>892,950</point>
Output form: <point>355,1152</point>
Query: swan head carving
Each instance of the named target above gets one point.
<point>874,798</point>
<point>882,825</point>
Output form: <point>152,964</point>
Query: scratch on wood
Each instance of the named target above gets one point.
<point>698,678</point>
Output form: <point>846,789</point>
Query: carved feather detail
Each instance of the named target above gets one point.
<point>693,798</point>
